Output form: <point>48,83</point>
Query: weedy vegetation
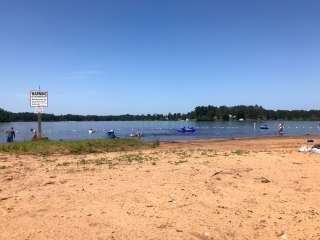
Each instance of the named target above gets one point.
<point>183,154</point>
<point>49,147</point>
<point>208,152</point>
<point>135,158</point>
<point>64,164</point>
<point>87,164</point>
<point>240,152</point>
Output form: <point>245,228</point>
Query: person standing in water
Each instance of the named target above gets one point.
<point>11,135</point>
<point>280,128</point>
<point>34,133</point>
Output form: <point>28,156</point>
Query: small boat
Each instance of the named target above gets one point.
<point>186,130</point>
<point>264,127</point>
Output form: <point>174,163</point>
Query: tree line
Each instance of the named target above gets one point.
<point>241,112</point>
<point>200,113</point>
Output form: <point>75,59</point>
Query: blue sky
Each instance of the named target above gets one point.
<point>135,56</point>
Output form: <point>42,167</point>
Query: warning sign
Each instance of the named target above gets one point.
<point>38,98</point>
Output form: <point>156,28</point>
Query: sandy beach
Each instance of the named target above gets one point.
<point>259,188</point>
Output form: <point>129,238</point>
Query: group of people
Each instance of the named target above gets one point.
<point>11,134</point>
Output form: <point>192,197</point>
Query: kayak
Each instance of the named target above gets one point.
<point>264,127</point>
<point>186,130</point>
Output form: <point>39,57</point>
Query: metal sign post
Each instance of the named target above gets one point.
<point>39,100</point>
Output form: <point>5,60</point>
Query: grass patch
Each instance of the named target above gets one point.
<point>64,164</point>
<point>99,161</point>
<point>130,158</point>
<point>240,152</point>
<point>83,162</point>
<point>103,161</point>
<point>183,154</point>
<point>208,153</point>
<point>135,158</point>
<point>48,147</point>
<point>126,159</point>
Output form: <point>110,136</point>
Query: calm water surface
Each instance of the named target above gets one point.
<point>162,130</point>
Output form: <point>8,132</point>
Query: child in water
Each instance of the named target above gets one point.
<point>34,134</point>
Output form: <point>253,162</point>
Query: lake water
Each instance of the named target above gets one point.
<point>162,130</point>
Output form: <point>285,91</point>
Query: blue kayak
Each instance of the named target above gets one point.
<point>186,130</point>
<point>264,127</point>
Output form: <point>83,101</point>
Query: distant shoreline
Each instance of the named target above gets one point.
<point>189,120</point>
<point>200,113</point>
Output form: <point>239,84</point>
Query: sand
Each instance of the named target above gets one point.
<point>208,189</point>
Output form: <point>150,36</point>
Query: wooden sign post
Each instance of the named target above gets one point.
<point>39,100</point>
